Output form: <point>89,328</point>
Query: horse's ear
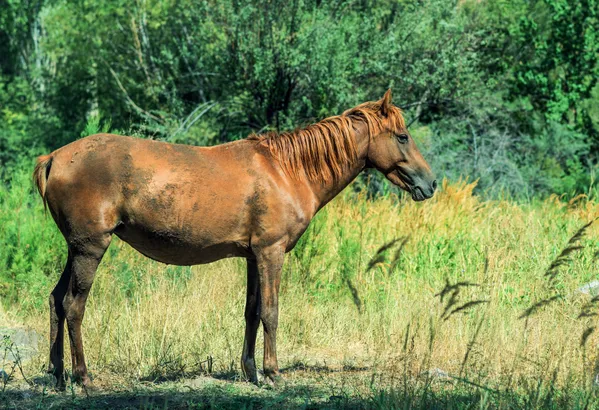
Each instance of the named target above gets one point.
<point>386,103</point>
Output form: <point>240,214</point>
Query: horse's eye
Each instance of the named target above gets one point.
<point>402,138</point>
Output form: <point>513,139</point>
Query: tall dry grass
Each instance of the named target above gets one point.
<point>398,287</point>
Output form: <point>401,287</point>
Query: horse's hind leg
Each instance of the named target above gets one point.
<point>57,316</point>
<point>85,261</point>
<point>67,300</point>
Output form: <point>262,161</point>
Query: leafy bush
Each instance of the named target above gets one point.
<point>491,82</point>
<point>33,251</point>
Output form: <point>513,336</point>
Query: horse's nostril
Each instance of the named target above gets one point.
<point>434,184</point>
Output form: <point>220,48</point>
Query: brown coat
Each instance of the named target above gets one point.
<point>188,205</point>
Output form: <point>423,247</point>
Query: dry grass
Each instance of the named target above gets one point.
<point>348,304</point>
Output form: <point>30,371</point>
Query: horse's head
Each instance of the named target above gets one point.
<point>394,153</point>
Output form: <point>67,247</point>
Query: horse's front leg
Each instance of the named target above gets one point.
<point>270,263</point>
<point>252,321</point>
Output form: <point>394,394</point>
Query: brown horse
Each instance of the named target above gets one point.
<point>188,205</point>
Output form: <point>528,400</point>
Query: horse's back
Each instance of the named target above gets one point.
<point>124,169</point>
<point>175,203</point>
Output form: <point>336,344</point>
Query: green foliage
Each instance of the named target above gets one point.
<point>33,251</point>
<point>558,67</point>
<point>489,81</point>
<point>306,253</point>
<point>94,126</point>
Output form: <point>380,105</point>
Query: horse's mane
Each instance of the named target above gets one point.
<point>322,150</point>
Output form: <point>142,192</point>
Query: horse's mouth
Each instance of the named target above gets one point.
<point>417,194</point>
<point>405,182</point>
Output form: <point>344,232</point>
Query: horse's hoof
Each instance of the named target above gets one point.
<point>82,380</point>
<point>61,385</point>
<point>274,380</point>
<point>89,387</point>
<point>249,371</point>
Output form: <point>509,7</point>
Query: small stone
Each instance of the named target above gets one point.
<point>591,288</point>
<point>23,341</point>
<point>436,372</point>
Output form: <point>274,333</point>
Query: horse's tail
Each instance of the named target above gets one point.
<point>40,175</point>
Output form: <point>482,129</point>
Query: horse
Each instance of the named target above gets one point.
<point>188,205</point>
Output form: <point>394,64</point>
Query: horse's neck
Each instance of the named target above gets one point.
<point>326,192</point>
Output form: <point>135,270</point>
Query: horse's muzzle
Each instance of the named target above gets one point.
<point>421,192</point>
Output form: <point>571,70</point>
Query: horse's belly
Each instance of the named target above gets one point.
<point>180,248</point>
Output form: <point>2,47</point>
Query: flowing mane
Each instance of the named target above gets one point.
<point>322,150</point>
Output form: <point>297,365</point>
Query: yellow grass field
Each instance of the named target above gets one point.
<point>461,302</point>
